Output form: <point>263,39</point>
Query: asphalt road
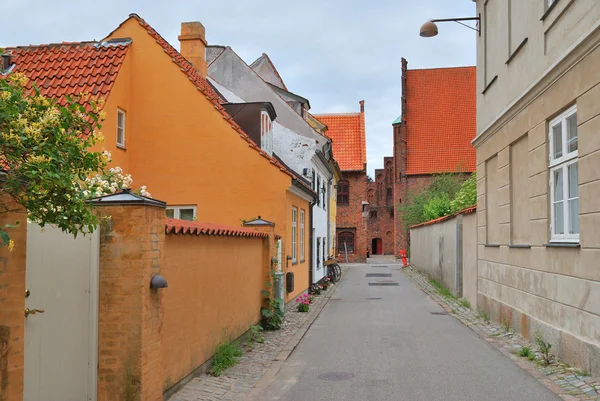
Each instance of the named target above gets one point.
<point>396,349</point>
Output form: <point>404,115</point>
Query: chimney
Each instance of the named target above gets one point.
<point>193,45</point>
<point>362,106</point>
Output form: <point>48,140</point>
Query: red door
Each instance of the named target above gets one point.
<point>379,244</point>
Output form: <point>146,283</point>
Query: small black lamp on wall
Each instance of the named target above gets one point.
<point>158,281</point>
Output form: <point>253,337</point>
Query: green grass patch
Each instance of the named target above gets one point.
<point>464,303</point>
<point>225,357</point>
<point>525,352</point>
<point>443,291</point>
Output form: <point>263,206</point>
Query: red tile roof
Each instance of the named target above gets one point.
<point>440,118</point>
<point>203,86</point>
<point>176,226</point>
<point>470,209</point>
<point>64,69</point>
<point>347,133</point>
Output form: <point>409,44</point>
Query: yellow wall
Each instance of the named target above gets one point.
<point>213,296</point>
<point>301,268</point>
<point>181,147</point>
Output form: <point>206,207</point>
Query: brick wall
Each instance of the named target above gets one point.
<point>380,221</point>
<point>12,305</point>
<point>130,313</point>
<point>213,296</point>
<point>349,217</point>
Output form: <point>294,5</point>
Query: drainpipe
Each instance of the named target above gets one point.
<point>328,214</point>
<point>310,244</point>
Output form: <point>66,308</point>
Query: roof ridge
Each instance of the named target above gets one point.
<point>204,87</point>
<point>178,226</point>
<point>338,114</point>
<point>442,68</point>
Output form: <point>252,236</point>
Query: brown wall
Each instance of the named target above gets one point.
<point>382,225</point>
<point>213,296</point>
<point>12,305</point>
<point>350,218</point>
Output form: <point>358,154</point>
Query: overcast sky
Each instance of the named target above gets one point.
<point>333,52</point>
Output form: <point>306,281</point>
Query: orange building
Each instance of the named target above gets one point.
<point>166,127</point>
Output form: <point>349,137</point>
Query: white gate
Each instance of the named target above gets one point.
<point>61,327</point>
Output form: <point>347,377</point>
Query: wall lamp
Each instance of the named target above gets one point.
<point>430,29</point>
<point>158,281</point>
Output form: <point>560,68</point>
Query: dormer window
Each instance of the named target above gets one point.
<point>266,132</point>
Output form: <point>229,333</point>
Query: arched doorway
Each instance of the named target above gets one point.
<point>377,246</point>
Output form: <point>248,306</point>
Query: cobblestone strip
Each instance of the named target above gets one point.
<point>567,382</point>
<point>259,363</point>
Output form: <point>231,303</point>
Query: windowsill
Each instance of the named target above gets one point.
<point>492,245</point>
<point>294,262</point>
<point>549,10</point>
<point>343,204</point>
<point>522,246</point>
<point>488,86</point>
<point>517,50</point>
<point>302,260</point>
<point>563,245</point>
<point>122,147</point>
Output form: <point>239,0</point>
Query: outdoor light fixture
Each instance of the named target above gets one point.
<point>430,29</point>
<point>158,282</point>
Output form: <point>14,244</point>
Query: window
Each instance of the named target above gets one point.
<point>317,190</point>
<point>318,253</point>
<point>182,212</point>
<point>324,195</point>
<point>120,128</point>
<point>324,250</point>
<point>373,214</point>
<point>301,235</point>
<point>266,132</point>
<point>392,212</point>
<point>346,242</point>
<point>564,178</point>
<point>313,180</point>
<point>389,193</point>
<point>294,232</point>
<point>343,193</point>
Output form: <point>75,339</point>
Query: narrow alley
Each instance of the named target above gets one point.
<point>381,338</point>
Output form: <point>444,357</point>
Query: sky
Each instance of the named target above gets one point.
<point>332,52</point>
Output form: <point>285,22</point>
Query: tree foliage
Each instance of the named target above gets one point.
<point>45,156</point>
<point>447,194</point>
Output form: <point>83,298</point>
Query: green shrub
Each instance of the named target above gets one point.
<point>225,357</point>
<point>437,207</point>
<point>525,352</point>
<point>466,195</point>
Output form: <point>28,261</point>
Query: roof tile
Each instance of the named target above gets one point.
<point>347,133</point>
<point>440,118</point>
<point>176,226</point>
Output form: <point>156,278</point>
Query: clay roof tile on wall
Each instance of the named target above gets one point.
<point>347,133</point>
<point>440,120</point>
<point>176,226</point>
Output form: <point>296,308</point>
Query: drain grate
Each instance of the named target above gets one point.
<point>380,266</point>
<point>379,275</point>
<point>385,284</point>
<point>374,298</point>
<point>439,313</point>
<point>336,376</point>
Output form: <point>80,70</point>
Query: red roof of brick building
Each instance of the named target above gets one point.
<point>347,133</point>
<point>440,118</point>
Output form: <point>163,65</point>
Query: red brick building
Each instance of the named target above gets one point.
<point>433,135</point>
<point>347,132</point>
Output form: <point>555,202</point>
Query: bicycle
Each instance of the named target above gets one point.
<point>333,269</point>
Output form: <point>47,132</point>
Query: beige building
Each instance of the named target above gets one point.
<point>538,168</point>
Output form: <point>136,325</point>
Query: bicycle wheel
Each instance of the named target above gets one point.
<point>337,273</point>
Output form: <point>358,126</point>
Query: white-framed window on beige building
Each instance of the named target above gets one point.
<point>564,196</point>
<point>294,233</point>
<point>301,235</point>
<point>182,212</point>
<point>120,128</point>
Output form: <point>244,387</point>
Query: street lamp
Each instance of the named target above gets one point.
<point>430,29</point>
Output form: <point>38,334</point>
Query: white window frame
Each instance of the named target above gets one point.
<point>266,132</point>
<point>562,164</point>
<point>119,113</point>
<point>294,233</point>
<point>302,235</point>
<point>177,210</point>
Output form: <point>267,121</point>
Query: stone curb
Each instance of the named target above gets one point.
<point>565,389</point>
<point>276,366</point>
